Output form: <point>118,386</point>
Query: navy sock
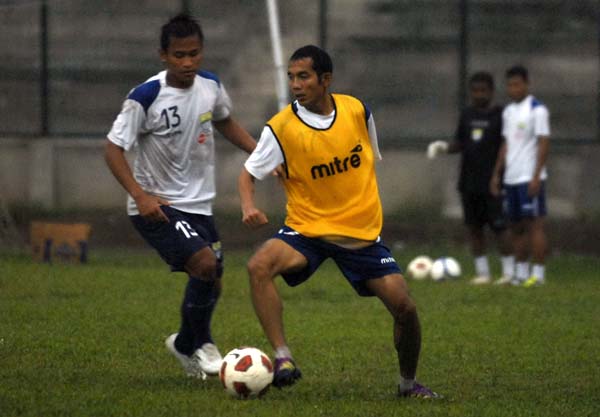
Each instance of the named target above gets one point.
<point>199,302</point>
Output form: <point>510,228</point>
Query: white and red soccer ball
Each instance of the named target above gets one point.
<point>246,372</point>
<point>443,268</point>
<point>419,268</point>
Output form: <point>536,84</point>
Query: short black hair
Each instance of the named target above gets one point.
<point>321,59</point>
<point>180,26</point>
<point>482,77</point>
<point>517,71</point>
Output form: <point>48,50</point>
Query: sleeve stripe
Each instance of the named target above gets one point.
<point>145,94</point>
<point>210,76</point>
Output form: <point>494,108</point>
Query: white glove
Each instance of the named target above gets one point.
<point>437,147</point>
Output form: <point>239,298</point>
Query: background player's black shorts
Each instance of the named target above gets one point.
<point>480,209</point>
<point>184,235</point>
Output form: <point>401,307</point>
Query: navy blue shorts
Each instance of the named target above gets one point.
<point>357,265</point>
<point>184,235</point>
<point>520,206</point>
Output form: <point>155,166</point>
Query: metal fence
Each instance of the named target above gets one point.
<point>67,65</point>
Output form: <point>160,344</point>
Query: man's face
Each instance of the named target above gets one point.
<point>481,94</point>
<point>305,84</point>
<point>517,88</point>
<point>182,59</point>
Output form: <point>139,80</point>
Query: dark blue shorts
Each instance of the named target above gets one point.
<point>357,265</point>
<point>184,235</point>
<point>520,206</point>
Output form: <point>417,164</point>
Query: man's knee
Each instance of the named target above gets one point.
<point>203,264</point>
<point>405,308</point>
<point>258,268</point>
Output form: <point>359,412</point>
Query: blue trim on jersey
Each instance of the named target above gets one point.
<point>209,75</point>
<point>145,94</point>
<point>367,114</point>
<point>535,103</point>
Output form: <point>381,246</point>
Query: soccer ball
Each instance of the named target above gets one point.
<point>445,268</point>
<point>420,267</point>
<point>246,372</point>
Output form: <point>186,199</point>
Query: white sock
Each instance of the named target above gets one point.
<point>508,266</point>
<point>406,384</point>
<point>538,270</point>
<point>522,271</point>
<point>283,352</point>
<point>482,267</point>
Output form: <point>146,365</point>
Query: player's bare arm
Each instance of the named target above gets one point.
<point>496,180</point>
<point>236,134</point>
<point>251,216</point>
<point>148,205</point>
<point>534,186</point>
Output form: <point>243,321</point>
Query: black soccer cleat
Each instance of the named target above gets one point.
<point>286,373</point>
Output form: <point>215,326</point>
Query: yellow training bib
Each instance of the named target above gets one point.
<point>330,180</point>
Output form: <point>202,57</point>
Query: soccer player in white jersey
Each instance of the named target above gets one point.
<point>522,157</point>
<point>169,120</point>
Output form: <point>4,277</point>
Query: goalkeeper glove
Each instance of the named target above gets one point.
<point>437,147</point>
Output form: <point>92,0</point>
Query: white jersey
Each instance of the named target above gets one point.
<point>268,155</point>
<point>172,131</point>
<point>523,123</point>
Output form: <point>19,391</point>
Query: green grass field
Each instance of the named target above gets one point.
<point>88,341</point>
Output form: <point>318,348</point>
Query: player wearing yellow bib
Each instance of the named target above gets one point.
<point>325,146</point>
<point>333,186</point>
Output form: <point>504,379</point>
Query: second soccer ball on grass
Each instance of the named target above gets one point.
<point>445,268</point>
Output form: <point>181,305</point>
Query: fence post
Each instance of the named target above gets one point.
<point>323,24</point>
<point>185,7</point>
<point>44,81</point>
<point>463,49</point>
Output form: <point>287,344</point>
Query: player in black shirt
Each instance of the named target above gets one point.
<point>478,139</point>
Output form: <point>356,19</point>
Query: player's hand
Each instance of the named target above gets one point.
<point>533,188</point>
<point>254,218</point>
<point>495,186</point>
<point>279,172</point>
<point>149,207</point>
<point>436,148</point>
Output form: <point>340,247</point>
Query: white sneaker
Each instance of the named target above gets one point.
<point>504,280</point>
<point>481,280</point>
<point>190,366</point>
<point>208,358</point>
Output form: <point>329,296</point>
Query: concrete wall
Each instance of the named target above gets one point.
<point>71,174</point>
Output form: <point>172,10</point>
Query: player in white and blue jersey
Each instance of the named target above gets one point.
<point>168,120</point>
<point>522,157</point>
